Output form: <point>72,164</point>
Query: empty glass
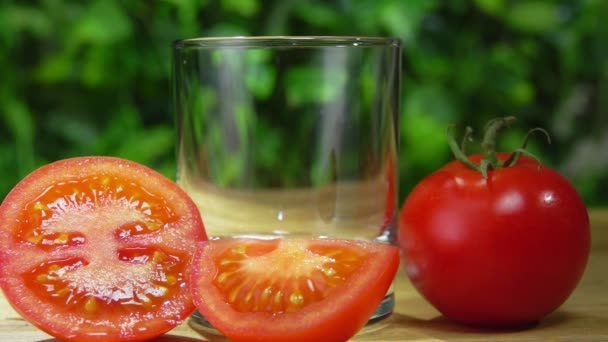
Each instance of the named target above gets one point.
<point>290,136</point>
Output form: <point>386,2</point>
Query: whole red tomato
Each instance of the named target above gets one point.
<point>501,250</point>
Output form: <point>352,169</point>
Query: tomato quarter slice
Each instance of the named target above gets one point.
<point>99,249</point>
<point>291,289</point>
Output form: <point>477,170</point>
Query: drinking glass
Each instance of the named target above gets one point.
<point>290,136</point>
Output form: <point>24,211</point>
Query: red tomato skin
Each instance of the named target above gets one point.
<point>505,251</point>
<point>40,313</point>
<point>330,320</point>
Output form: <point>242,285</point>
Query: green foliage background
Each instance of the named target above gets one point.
<point>93,77</point>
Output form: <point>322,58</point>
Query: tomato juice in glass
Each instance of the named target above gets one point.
<point>290,136</point>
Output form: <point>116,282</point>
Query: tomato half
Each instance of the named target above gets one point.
<point>501,251</point>
<point>98,249</point>
<point>291,290</point>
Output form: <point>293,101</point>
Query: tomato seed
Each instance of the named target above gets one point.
<point>35,239</point>
<point>62,239</point>
<point>62,292</point>
<point>90,305</point>
<point>159,257</point>
<point>43,278</point>
<point>54,268</point>
<point>248,297</point>
<point>40,207</point>
<point>330,272</point>
<point>153,226</point>
<point>170,280</point>
<point>234,294</point>
<point>296,298</point>
<point>223,276</point>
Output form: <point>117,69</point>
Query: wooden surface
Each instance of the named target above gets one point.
<point>584,317</point>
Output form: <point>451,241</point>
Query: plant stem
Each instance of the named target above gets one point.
<point>488,144</point>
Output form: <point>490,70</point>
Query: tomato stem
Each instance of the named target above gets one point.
<point>514,157</point>
<point>488,145</point>
<point>459,151</point>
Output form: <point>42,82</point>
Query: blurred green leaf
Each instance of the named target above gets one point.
<point>95,68</point>
<point>226,30</point>
<point>403,18</point>
<point>20,123</point>
<point>300,79</point>
<point>267,149</point>
<point>427,112</point>
<point>534,16</point>
<point>201,107</point>
<point>430,101</point>
<point>318,13</point>
<point>424,142</point>
<point>260,76</point>
<point>104,22</point>
<point>493,7</point>
<point>118,126</point>
<point>244,117</point>
<point>55,68</point>
<point>146,146</point>
<point>246,8</point>
<point>21,18</point>
<point>521,93</point>
<point>7,169</point>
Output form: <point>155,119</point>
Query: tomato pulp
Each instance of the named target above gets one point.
<point>291,289</point>
<point>501,251</point>
<point>98,249</point>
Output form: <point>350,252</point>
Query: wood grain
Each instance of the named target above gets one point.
<point>584,317</point>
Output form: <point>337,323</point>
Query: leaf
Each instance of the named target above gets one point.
<point>427,112</point>
<point>19,19</point>
<point>246,8</point>
<point>77,131</point>
<point>104,22</point>
<point>7,169</point>
<point>146,146</point>
<point>55,67</point>
<point>244,119</point>
<point>227,29</point>
<point>403,18</point>
<point>494,7</point>
<point>268,145</point>
<point>20,122</point>
<point>260,75</point>
<point>314,84</point>
<point>318,14</point>
<point>118,125</point>
<point>534,16</point>
<point>94,71</point>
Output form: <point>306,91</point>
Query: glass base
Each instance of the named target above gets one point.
<point>385,309</point>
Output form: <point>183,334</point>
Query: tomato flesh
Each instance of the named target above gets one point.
<point>291,289</point>
<point>98,248</point>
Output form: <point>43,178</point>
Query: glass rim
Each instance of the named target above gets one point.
<point>286,41</point>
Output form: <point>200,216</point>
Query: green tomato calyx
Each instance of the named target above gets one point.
<point>490,159</point>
